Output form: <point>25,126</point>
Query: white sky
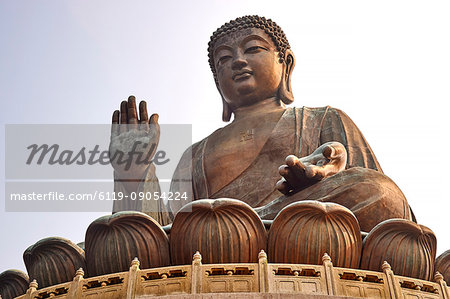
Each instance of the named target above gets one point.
<point>385,63</point>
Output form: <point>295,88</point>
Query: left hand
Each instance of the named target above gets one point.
<point>298,174</point>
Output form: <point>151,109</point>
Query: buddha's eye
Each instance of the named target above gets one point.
<point>223,59</point>
<point>255,49</point>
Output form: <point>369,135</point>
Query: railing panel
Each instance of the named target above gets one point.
<point>164,281</point>
<point>231,278</point>
<point>360,283</point>
<point>110,286</point>
<point>418,288</point>
<point>290,278</point>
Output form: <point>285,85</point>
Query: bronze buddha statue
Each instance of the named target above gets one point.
<point>332,188</point>
<point>323,155</point>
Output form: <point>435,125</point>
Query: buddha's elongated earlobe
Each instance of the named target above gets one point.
<point>226,114</point>
<point>285,90</point>
<point>227,111</point>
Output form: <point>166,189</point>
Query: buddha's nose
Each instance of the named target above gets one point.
<point>238,62</point>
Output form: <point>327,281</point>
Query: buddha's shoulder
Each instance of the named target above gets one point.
<point>318,110</point>
<point>327,115</point>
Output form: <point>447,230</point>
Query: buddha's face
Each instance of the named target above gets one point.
<point>247,66</point>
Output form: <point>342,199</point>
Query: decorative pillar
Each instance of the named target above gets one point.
<point>393,285</point>
<point>439,278</point>
<point>329,278</point>
<point>263,272</point>
<point>76,285</point>
<point>31,290</point>
<point>132,278</point>
<point>196,278</point>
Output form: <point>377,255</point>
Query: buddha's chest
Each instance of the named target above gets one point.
<point>230,151</point>
<point>227,152</point>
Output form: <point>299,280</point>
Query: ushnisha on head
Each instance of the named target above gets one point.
<point>255,45</point>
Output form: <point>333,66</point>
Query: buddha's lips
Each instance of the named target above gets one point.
<point>242,75</point>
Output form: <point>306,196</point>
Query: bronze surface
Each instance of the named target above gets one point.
<point>13,283</point>
<point>224,230</point>
<point>53,260</point>
<point>304,231</point>
<point>113,240</point>
<point>443,265</point>
<point>409,248</point>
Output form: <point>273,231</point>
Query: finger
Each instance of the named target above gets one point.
<point>335,156</point>
<point>287,173</point>
<point>123,112</point>
<point>154,119</point>
<point>295,163</point>
<point>329,152</point>
<point>291,160</point>
<point>115,123</point>
<point>153,125</point>
<point>283,170</point>
<point>314,172</point>
<point>143,116</point>
<point>297,168</point>
<point>132,112</point>
<point>123,116</point>
<point>115,117</point>
<point>283,186</point>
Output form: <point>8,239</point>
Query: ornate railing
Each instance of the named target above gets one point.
<point>261,277</point>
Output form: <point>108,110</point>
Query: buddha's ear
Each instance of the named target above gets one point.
<point>226,113</point>
<point>285,90</point>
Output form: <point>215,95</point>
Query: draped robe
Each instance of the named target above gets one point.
<point>362,187</point>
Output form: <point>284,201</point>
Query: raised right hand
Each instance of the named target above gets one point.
<point>134,141</point>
